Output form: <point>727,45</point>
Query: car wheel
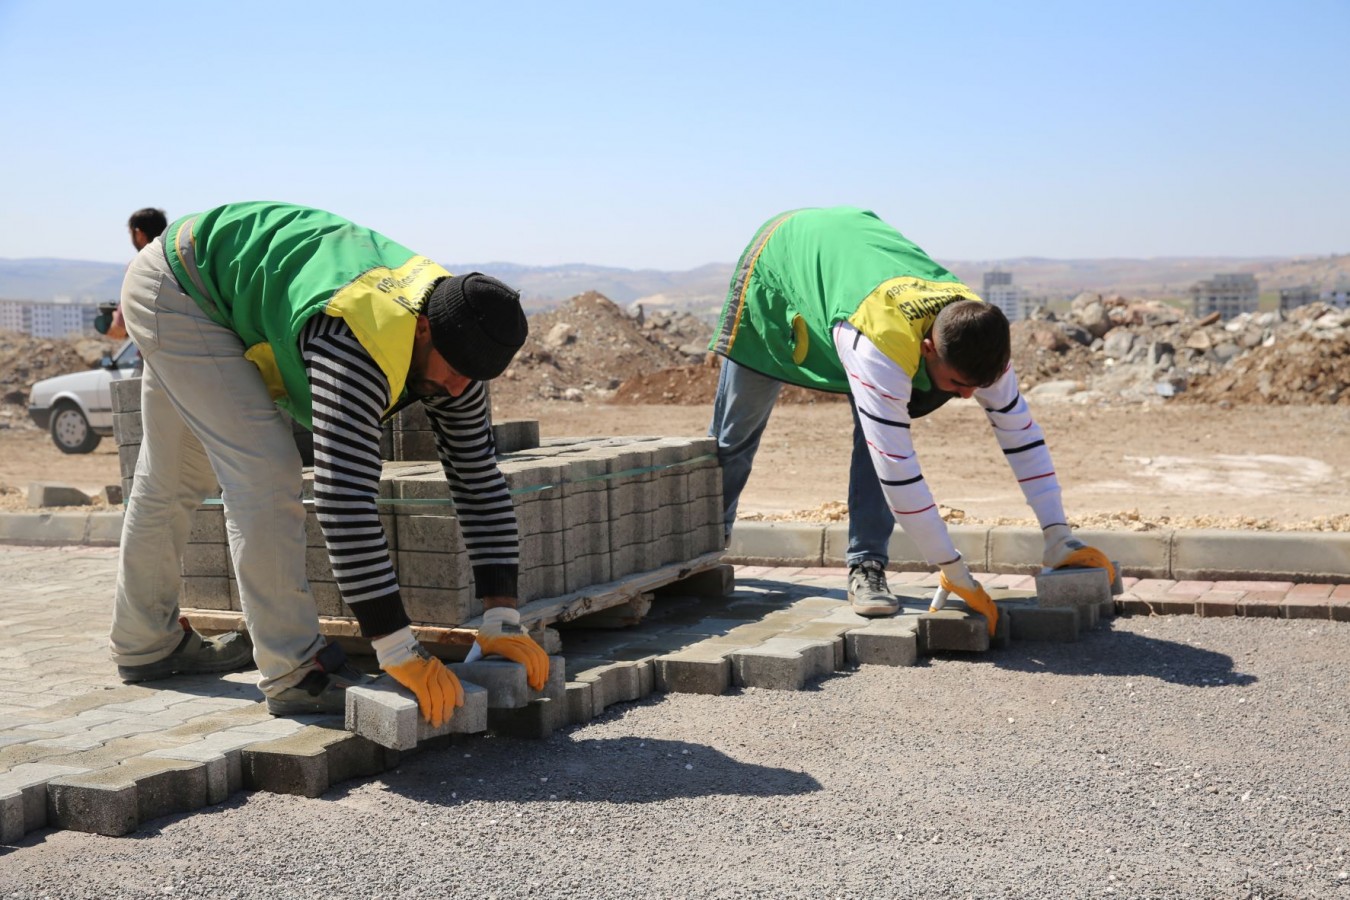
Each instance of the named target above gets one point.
<point>70,430</point>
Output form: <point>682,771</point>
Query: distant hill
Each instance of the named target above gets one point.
<point>703,288</point>
<point>47,279</point>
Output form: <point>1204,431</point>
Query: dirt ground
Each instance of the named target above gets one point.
<point>1122,466</point>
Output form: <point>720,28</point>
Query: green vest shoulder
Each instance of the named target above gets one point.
<point>263,269</point>
<point>809,269</point>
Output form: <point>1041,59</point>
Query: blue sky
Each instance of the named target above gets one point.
<point>638,135</point>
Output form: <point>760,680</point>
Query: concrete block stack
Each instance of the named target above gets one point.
<point>664,496</point>
<point>408,437</point>
<point>126,406</point>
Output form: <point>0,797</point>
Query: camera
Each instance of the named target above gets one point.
<point>103,321</point>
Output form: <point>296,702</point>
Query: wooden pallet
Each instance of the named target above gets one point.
<point>453,641</point>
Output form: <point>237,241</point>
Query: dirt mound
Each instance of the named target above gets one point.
<point>25,360</point>
<point>696,386</point>
<point>587,347</point>
<point>1305,370</point>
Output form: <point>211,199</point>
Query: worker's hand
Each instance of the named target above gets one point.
<point>1064,551</point>
<point>437,689</point>
<point>955,578</point>
<point>501,634</point>
<point>117,329</point>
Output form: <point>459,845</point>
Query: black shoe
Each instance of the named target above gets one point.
<point>867,590</point>
<point>323,689</point>
<point>195,655</point>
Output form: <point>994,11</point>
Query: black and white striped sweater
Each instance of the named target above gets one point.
<point>350,396</point>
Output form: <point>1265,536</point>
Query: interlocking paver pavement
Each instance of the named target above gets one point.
<point>188,741</point>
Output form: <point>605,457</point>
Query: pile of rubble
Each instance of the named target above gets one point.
<point>25,360</point>
<point>588,346</point>
<point>1114,349</point>
<point>1101,350</point>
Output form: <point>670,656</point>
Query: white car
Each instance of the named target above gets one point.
<point>77,408</point>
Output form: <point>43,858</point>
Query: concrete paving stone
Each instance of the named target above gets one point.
<point>1033,623</point>
<point>1341,592</point>
<point>1146,587</point>
<point>611,682</point>
<point>777,542</point>
<point>1339,609</point>
<point>972,541</point>
<point>781,668</point>
<point>535,720</point>
<point>224,771</point>
<point>831,633</point>
<point>646,671</point>
<point>115,800</point>
<point>716,626</point>
<point>309,762</point>
<point>504,681</point>
<point>882,642</point>
<point>953,629</point>
<point>23,796</point>
<point>11,816</point>
<point>1312,591</point>
<point>1132,604</point>
<point>1218,603</point>
<point>1190,588</point>
<point>1213,553</point>
<point>580,702</point>
<point>383,713</point>
<point>1304,607</point>
<point>1281,586</point>
<point>51,493</point>
<point>820,654</point>
<point>1266,604</point>
<point>693,671</point>
<point>1174,604</point>
<point>1072,587</point>
<point>1008,581</point>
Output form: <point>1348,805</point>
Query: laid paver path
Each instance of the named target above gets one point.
<point>69,725</point>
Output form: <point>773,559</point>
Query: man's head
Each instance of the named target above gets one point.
<point>968,347</point>
<point>145,225</point>
<point>470,329</point>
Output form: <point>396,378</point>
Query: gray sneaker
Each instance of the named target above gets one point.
<point>323,690</point>
<point>867,590</point>
<point>195,655</point>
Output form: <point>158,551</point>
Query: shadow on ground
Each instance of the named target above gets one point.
<point>603,770</point>
<point>1120,653</point>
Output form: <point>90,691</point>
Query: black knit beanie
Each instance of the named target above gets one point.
<point>476,324</point>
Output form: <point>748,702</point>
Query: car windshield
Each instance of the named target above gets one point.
<point>128,356</point>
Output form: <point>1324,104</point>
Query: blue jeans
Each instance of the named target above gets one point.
<point>741,411</point>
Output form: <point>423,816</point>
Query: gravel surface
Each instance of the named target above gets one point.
<point>1162,757</point>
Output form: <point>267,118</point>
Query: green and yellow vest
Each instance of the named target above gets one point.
<point>263,269</point>
<point>809,269</point>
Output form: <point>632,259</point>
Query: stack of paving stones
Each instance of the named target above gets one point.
<point>591,512</point>
<point>407,436</point>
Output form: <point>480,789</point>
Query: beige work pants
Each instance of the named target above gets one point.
<point>207,419</point>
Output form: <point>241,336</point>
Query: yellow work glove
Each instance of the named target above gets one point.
<point>436,688</point>
<point>955,578</point>
<point>1064,551</point>
<point>502,634</point>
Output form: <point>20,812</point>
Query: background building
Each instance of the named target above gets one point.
<point>1228,295</point>
<point>48,320</point>
<point>1001,292</point>
<point>1293,297</point>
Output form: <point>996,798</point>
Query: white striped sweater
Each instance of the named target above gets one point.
<point>882,390</point>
